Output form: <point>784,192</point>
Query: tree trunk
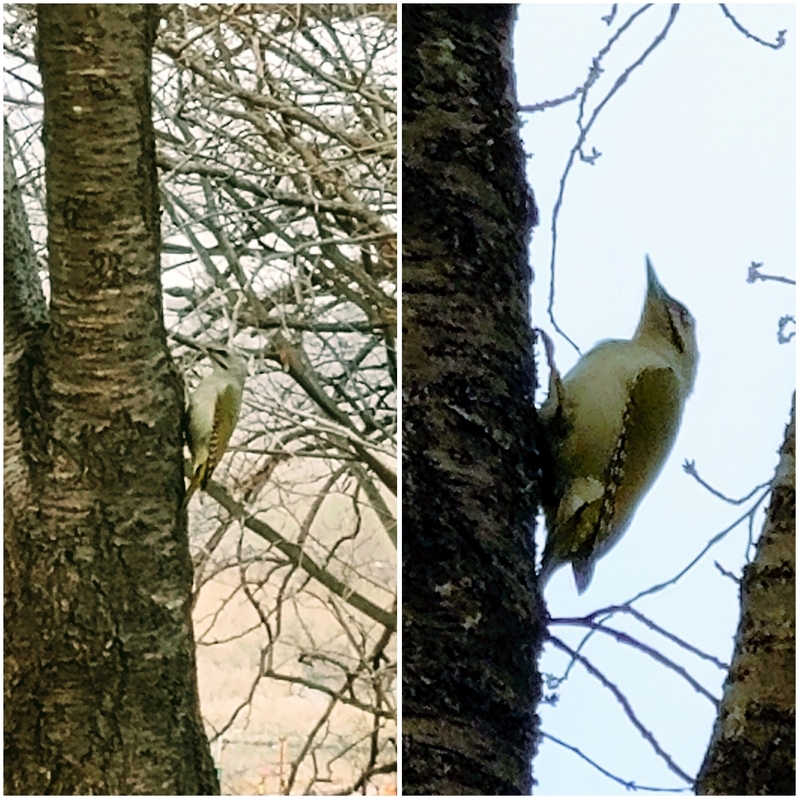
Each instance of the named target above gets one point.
<point>752,750</point>
<point>471,621</point>
<point>100,682</point>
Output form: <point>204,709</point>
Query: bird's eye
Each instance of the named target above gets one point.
<point>682,313</point>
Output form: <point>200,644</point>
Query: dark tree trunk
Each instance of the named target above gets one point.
<point>100,680</point>
<point>471,621</point>
<point>752,750</point>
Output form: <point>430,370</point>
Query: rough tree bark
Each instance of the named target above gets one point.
<point>752,750</point>
<point>471,624</point>
<point>100,683</point>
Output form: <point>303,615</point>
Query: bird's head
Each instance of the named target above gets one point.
<point>666,322</point>
<point>228,360</point>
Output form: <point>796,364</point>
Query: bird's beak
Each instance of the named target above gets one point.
<point>218,357</point>
<point>654,286</point>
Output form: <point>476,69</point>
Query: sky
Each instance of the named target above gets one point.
<point>697,169</point>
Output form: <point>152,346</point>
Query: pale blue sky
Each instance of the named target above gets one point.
<point>698,170</point>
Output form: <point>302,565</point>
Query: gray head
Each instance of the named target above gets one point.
<point>228,361</point>
<point>669,324</point>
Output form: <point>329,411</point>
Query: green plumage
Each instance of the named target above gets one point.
<point>609,427</point>
<point>213,413</point>
<point>224,422</point>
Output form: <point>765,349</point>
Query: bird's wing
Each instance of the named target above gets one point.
<point>649,426</point>
<point>226,413</point>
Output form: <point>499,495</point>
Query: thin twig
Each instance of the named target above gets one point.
<point>653,626</point>
<point>690,469</point>
<point>625,638</point>
<point>780,39</point>
<point>631,786</point>
<point>623,701</point>
<point>584,131</point>
<point>754,275</point>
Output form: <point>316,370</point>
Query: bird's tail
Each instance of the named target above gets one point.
<point>196,481</point>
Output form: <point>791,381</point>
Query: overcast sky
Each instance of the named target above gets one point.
<point>698,170</point>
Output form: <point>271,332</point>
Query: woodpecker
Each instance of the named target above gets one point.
<point>610,425</point>
<point>213,412</point>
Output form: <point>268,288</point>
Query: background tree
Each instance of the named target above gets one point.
<point>276,137</point>
<point>100,683</point>
<point>752,750</point>
<point>470,623</point>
